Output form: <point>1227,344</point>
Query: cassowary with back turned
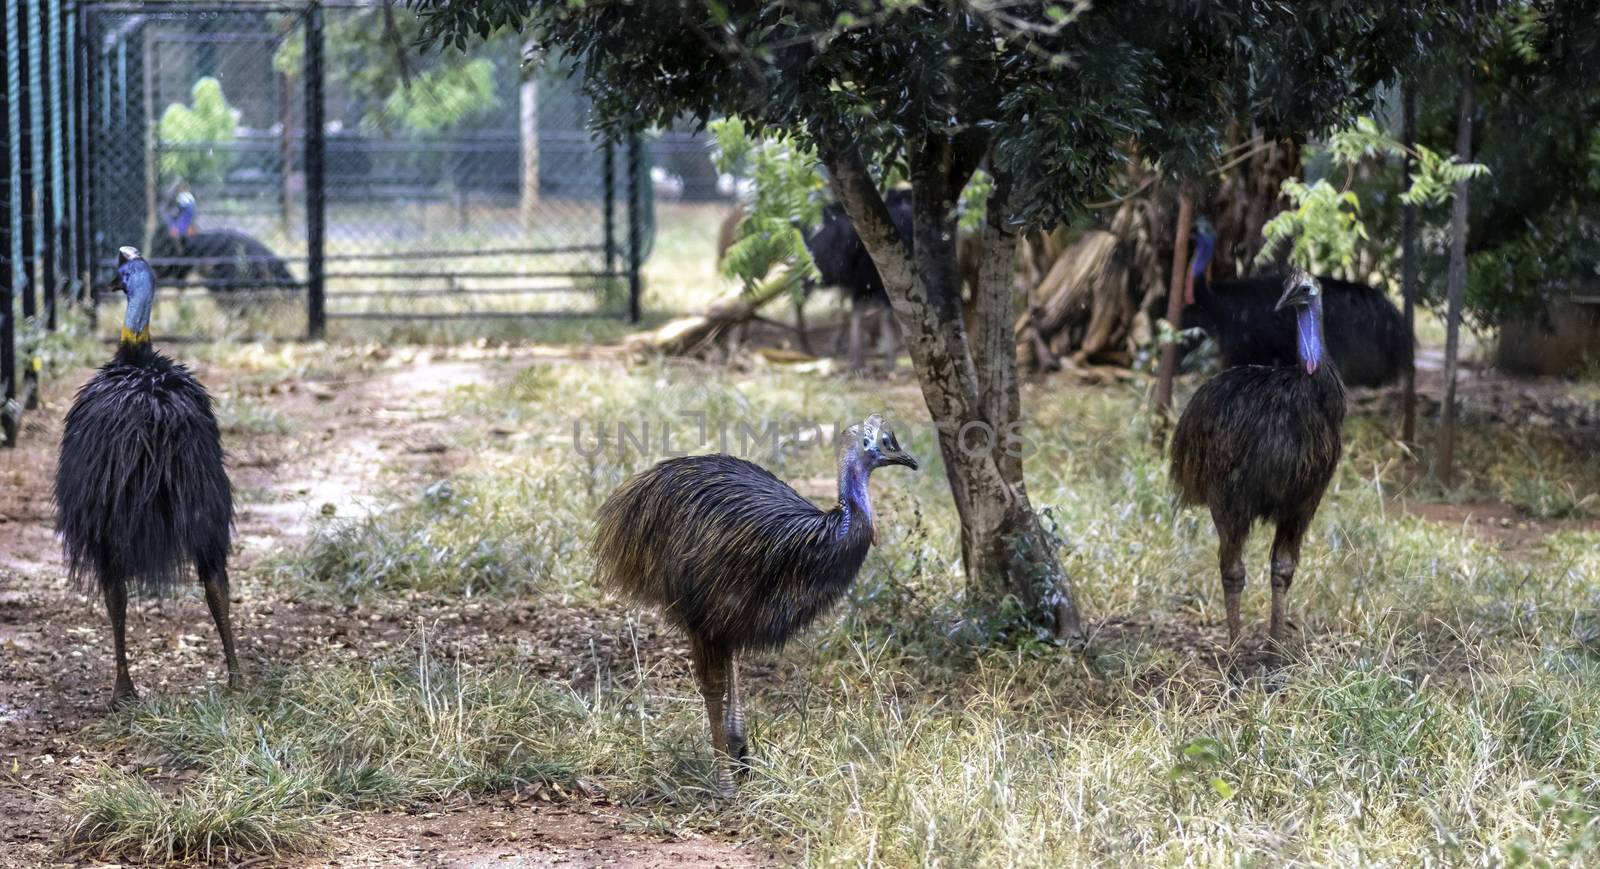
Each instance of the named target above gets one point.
<point>738,560</point>
<point>1260,443</point>
<point>1366,334</point>
<point>842,261</point>
<point>141,493</point>
<point>230,263</point>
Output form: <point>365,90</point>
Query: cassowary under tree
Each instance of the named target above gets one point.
<point>141,493</point>
<point>842,261</point>
<point>738,560</point>
<point>1366,335</point>
<point>1260,443</point>
<point>230,263</point>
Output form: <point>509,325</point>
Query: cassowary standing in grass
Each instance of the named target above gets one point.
<point>1261,442</point>
<point>141,493</point>
<point>738,560</point>
<point>230,263</point>
<point>1366,335</point>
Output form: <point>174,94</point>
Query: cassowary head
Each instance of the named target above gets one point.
<point>1302,293</point>
<point>870,444</point>
<point>1205,244</point>
<point>181,223</point>
<point>135,278</point>
<point>1300,290</point>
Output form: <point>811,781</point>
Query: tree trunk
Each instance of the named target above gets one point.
<point>969,382</point>
<point>1408,260</point>
<point>528,113</point>
<point>1175,299</point>
<point>1458,280</point>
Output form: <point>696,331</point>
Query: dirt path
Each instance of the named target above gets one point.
<point>351,435</point>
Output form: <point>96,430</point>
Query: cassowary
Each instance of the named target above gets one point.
<point>141,493</point>
<point>738,560</point>
<point>230,263</point>
<point>1260,443</point>
<point>842,261</point>
<point>1365,332</point>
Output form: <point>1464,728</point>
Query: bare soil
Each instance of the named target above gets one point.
<point>352,435</point>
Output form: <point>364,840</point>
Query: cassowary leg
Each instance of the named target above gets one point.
<point>711,669</point>
<point>889,339</point>
<point>737,744</point>
<point>116,592</point>
<point>1285,556</point>
<point>803,336</point>
<point>1230,556</point>
<point>215,582</point>
<point>857,312</point>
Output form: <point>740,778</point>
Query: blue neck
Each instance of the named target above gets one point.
<point>853,501</point>
<point>1308,332</point>
<point>140,286</point>
<point>1203,248</point>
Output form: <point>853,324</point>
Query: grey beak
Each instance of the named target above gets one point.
<point>901,457</point>
<point>1298,292</point>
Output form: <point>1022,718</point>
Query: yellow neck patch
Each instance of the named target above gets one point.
<point>140,337</point>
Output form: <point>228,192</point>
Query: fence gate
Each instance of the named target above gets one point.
<point>284,168</point>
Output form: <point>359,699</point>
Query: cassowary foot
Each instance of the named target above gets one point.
<point>722,779</point>
<point>123,694</point>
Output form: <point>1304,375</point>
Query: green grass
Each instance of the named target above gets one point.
<point>1444,706</point>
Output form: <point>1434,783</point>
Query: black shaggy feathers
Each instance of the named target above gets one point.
<point>841,258</point>
<point>141,492</point>
<point>226,260</point>
<point>728,551</point>
<point>1260,443</point>
<point>1366,333</point>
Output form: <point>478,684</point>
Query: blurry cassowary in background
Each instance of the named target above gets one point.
<point>1365,332</point>
<point>842,261</point>
<point>141,493</point>
<point>230,263</point>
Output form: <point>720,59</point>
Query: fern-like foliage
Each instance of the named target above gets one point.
<point>1324,228</point>
<point>787,197</point>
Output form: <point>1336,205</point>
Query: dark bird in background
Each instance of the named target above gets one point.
<point>141,494</point>
<point>842,261</point>
<point>1260,443</point>
<point>230,263</point>
<point>1366,334</point>
<point>738,560</point>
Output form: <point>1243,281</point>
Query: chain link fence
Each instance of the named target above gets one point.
<point>40,240</point>
<point>290,167</point>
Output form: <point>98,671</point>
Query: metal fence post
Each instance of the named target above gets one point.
<point>635,228</point>
<point>66,147</point>
<point>46,169</point>
<point>83,264</point>
<point>316,179</point>
<point>609,186</point>
<point>8,326</point>
<point>25,193</point>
